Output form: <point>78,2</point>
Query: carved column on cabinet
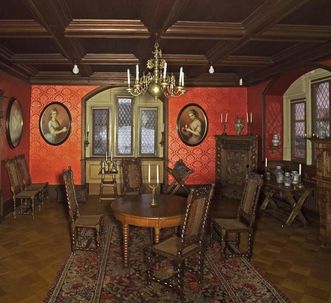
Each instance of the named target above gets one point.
<point>323,178</point>
<point>235,157</point>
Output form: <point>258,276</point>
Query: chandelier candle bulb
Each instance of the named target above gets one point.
<point>251,117</point>
<point>128,77</point>
<point>106,156</point>
<point>266,162</point>
<point>226,117</point>
<point>149,173</point>
<point>247,117</point>
<point>137,72</point>
<point>88,128</point>
<point>183,80</point>
<point>300,169</point>
<point>221,118</point>
<point>165,70</point>
<point>157,175</point>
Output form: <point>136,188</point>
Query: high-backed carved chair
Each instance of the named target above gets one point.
<point>27,198</point>
<point>132,176</point>
<point>23,170</point>
<point>178,250</point>
<point>86,230</point>
<point>234,231</point>
<point>180,173</point>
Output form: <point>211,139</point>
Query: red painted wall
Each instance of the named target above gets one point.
<point>47,162</point>
<point>214,101</point>
<point>274,124</point>
<point>13,87</point>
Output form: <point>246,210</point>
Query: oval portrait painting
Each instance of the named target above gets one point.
<point>14,123</point>
<point>192,124</point>
<point>55,123</point>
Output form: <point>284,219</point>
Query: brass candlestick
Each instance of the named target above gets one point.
<point>153,188</point>
<point>224,127</point>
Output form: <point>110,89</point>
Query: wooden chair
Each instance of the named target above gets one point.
<point>86,230</point>
<point>27,198</point>
<point>132,176</point>
<point>231,231</point>
<point>180,173</point>
<point>191,242</point>
<point>24,173</point>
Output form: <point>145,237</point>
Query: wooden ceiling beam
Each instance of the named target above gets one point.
<point>22,29</point>
<point>91,28</point>
<point>293,61</point>
<point>262,19</point>
<point>55,58</point>
<point>54,15</point>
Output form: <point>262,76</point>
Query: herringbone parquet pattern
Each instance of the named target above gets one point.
<point>32,252</point>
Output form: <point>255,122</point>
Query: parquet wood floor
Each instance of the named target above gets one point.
<point>32,252</point>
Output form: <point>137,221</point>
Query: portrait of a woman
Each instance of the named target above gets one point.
<point>55,123</point>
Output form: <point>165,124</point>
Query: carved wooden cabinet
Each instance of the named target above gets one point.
<point>323,178</point>
<point>235,157</point>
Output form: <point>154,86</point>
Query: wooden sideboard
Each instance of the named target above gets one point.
<point>323,179</point>
<point>235,157</point>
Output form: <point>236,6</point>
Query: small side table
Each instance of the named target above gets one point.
<point>108,184</point>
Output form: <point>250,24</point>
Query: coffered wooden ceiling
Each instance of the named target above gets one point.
<point>250,39</point>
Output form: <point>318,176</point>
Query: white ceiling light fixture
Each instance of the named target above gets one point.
<point>75,69</point>
<point>211,69</point>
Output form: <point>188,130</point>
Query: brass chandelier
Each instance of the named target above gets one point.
<point>158,82</point>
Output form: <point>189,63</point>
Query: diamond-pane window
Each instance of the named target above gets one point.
<point>148,122</point>
<point>321,106</point>
<point>124,126</point>
<point>298,114</point>
<point>100,131</point>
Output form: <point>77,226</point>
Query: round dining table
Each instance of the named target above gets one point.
<point>137,210</point>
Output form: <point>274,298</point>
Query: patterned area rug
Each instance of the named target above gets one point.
<point>87,277</point>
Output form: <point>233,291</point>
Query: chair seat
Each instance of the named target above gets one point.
<point>25,194</point>
<point>91,220</point>
<point>230,224</point>
<point>171,245</point>
<point>36,185</point>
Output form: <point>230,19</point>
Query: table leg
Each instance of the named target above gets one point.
<point>157,234</point>
<point>268,199</point>
<point>125,244</point>
<point>296,207</point>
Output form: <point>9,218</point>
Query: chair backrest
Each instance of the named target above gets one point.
<point>180,171</point>
<point>132,175</point>
<point>247,208</point>
<point>198,202</point>
<point>71,194</point>
<point>23,169</point>
<point>15,184</point>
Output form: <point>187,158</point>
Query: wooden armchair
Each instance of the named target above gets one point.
<point>27,198</point>
<point>24,173</point>
<point>132,176</point>
<point>178,250</point>
<point>232,231</point>
<point>180,173</point>
<point>86,230</point>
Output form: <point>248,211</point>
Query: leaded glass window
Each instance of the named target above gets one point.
<point>321,109</point>
<point>148,134</point>
<point>124,126</point>
<point>100,131</point>
<point>298,114</point>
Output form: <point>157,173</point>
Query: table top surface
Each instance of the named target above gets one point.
<point>168,206</point>
<point>280,186</point>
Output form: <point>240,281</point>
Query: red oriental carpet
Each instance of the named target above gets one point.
<point>85,277</point>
